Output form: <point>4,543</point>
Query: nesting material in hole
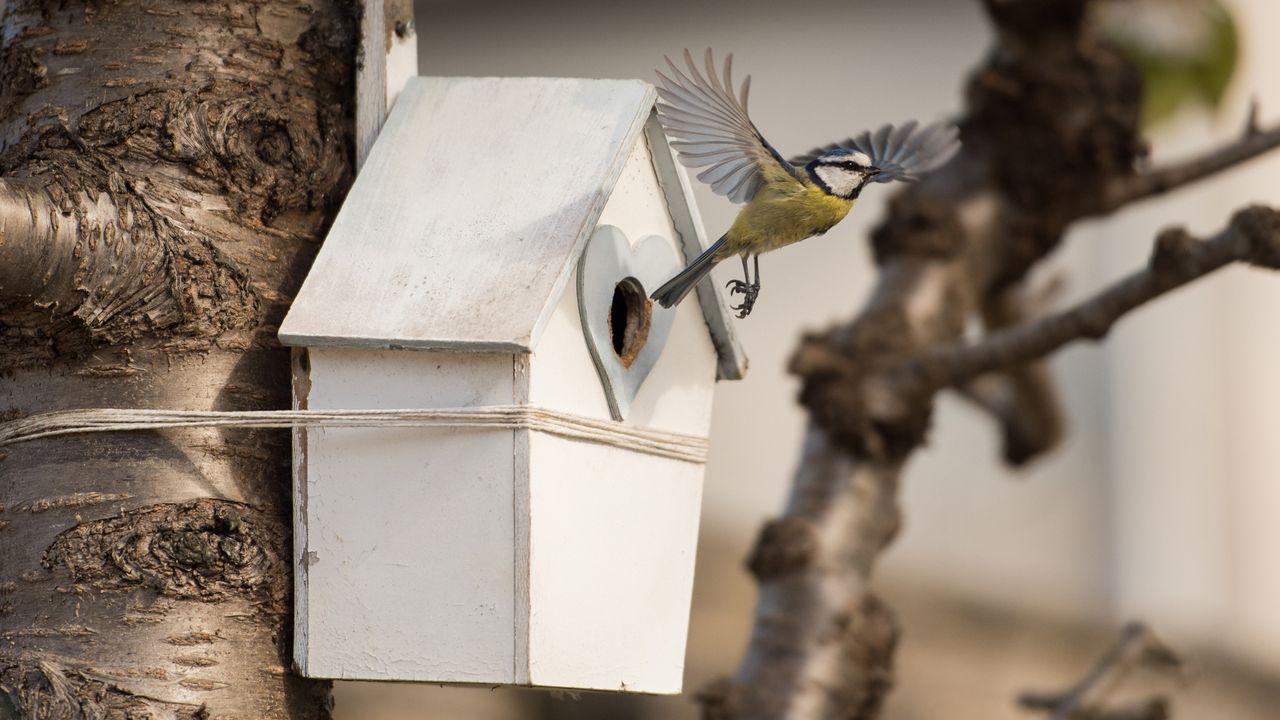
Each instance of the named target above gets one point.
<point>629,317</point>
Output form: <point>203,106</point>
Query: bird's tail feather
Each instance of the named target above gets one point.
<point>674,290</point>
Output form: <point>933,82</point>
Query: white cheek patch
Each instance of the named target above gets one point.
<point>841,181</point>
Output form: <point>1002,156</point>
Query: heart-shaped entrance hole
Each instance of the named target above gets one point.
<point>629,317</point>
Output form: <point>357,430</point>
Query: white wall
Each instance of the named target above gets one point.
<point>1160,503</point>
<point>1195,399</point>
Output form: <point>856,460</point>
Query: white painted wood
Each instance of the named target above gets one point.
<point>402,59</point>
<point>612,539</point>
<point>406,534</point>
<point>520,492</point>
<point>388,60</point>
<point>677,394</point>
<point>301,378</point>
<point>609,260</point>
<point>371,79</point>
<point>461,232</point>
<point>461,229</point>
<point>492,556</point>
<point>612,533</point>
<point>692,241</point>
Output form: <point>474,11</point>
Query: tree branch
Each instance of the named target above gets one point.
<point>869,393</point>
<point>1253,236</point>
<point>823,644</point>
<point>822,640</point>
<point>1125,190</point>
<point>1023,398</point>
<point>1137,647</point>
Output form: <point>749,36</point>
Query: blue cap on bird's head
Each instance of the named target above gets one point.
<point>894,152</point>
<point>842,172</point>
<point>849,160</point>
<point>843,156</point>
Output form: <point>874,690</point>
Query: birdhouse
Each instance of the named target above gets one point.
<point>497,250</point>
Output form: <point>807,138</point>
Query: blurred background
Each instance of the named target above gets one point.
<point>1162,503</point>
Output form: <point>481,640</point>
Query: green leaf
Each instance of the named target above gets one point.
<point>1186,50</point>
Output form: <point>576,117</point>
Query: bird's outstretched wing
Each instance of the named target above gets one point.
<point>712,130</point>
<point>904,152</point>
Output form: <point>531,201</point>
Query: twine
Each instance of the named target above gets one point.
<point>661,443</point>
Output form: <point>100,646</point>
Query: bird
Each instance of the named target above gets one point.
<point>786,200</point>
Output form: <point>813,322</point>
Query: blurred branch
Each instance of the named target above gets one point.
<point>1253,236</point>
<point>870,404</point>
<point>822,645</point>
<point>1137,647</point>
<point>1051,133</point>
<point>1252,143</point>
<point>1022,398</point>
<point>822,641</point>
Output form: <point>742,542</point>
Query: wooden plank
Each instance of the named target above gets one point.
<point>693,240</point>
<point>461,230</point>
<point>388,58</point>
<point>597,621</point>
<point>521,441</point>
<point>677,394</point>
<point>300,371</point>
<point>402,48</point>
<point>612,538</point>
<point>371,79</point>
<point>409,571</point>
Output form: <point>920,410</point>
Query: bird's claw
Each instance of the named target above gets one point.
<point>749,294</point>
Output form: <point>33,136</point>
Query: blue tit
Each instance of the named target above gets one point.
<point>786,201</point>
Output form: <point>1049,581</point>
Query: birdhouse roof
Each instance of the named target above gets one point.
<point>462,229</point>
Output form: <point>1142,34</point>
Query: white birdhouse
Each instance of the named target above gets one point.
<point>497,249</point>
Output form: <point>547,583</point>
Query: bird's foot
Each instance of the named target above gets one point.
<point>749,295</point>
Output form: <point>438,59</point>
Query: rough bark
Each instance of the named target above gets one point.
<point>166,171</point>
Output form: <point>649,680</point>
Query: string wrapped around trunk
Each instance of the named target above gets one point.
<point>662,443</point>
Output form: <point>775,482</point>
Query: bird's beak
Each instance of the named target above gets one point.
<point>874,172</point>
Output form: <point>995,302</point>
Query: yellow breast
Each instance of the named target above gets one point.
<point>780,215</point>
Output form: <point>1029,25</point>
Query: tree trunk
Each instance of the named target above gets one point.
<point>957,245</point>
<point>166,172</point>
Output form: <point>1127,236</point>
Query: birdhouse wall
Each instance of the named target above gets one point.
<point>404,536</point>
<point>503,557</point>
<point>612,533</point>
<point>678,392</point>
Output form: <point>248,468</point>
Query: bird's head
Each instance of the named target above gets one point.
<point>842,172</point>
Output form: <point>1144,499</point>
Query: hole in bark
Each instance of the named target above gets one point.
<point>274,145</point>
<point>629,317</point>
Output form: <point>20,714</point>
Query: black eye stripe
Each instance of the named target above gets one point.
<point>844,165</point>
